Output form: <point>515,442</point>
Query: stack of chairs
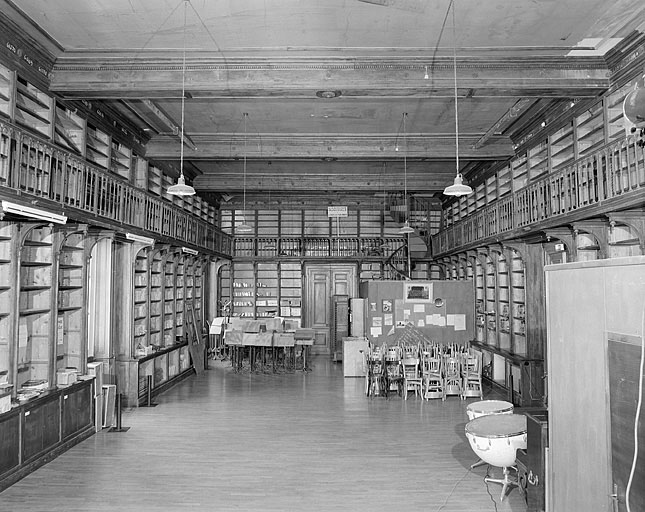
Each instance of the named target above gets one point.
<point>432,373</point>
<point>471,375</point>
<point>393,370</point>
<point>412,380</point>
<point>375,374</point>
<point>452,383</point>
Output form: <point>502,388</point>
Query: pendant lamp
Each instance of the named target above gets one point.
<point>244,227</point>
<point>457,188</point>
<point>181,189</point>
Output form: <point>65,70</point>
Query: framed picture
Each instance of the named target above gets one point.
<point>417,292</point>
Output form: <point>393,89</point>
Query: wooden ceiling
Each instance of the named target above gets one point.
<point>326,84</point>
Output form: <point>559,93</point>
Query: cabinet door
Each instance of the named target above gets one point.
<point>76,410</point>
<point>9,442</point>
<point>41,428</point>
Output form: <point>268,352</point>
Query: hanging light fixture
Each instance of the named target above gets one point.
<point>406,229</point>
<point>457,188</point>
<point>244,227</point>
<point>181,189</point>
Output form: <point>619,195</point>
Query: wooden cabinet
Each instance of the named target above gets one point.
<point>511,359</point>
<point>9,442</point>
<point>76,410</point>
<point>31,433</point>
<point>167,284</point>
<point>266,289</point>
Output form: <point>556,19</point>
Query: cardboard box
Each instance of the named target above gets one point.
<point>283,339</point>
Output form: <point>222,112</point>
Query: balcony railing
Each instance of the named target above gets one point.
<point>30,166</point>
<point>611,174</point>
<point>316,247</point>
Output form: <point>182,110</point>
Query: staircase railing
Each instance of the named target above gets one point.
<point>398,264</point>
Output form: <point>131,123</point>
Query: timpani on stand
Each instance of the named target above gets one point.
<point>495,439</point>
<point>486,408</point>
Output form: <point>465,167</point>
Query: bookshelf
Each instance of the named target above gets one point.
<point>34,109</point>
<point>72,288</point>
<point>244,290</point>
<point>169,294</point>
<point>562,147</point>
<point>180,292</point>
<point>37,278</point>
<point>141,282</point>
<point>6,90</point>
<point>291,290</point>
<point>98,147</point>
<point>590,133</point>
<point>5,151</point>
<point>518,305</point>
<point>69,130</point>
<point>614,103</point>
<point>480,302</point>
<point>155,313</point>
<point>8,269</point>
<point>491,301</point>
<point>267,292</point>
<point>519,171</point>
<point>503,304</point>
<point>121,160</point>
<point>538,157</point>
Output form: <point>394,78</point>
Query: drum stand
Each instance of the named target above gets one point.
<point>478,463</point>
<point>507,482</point>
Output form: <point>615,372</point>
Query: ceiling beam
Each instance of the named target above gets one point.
<point>325,147</point>
<point>94,76</point>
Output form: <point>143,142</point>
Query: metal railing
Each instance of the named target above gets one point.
<point>613,173</point>
<point>30,166</point>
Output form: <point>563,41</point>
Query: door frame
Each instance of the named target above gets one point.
<point>328,267</point>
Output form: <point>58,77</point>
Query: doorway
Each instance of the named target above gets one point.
<point>322,282</point>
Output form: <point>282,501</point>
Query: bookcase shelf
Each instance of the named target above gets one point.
<point>71,320</point>
<point>98,147</point>
<point>69,130</point>
<point>6,90</point>
<point>33,108</point>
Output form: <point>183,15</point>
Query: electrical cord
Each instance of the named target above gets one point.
<point>452,491</point>
<point>488,487</point>
<point>638,413</point>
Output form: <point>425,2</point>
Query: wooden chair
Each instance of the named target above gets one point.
<point>431,374</point>
<point>471,375</point>
<point>393,373</point>
<point>375,381</point>
<point>412,380</point>
<point>451,376</point>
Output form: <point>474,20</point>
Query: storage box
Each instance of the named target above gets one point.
<point>233,337</point>
<point>66,377</point>
<point>249,338</point>
<point>283,339</point>
<point>264,339</point>
<point>5,402</point>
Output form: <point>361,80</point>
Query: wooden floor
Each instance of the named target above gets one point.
<point>222,441</point>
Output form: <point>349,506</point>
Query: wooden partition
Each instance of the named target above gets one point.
<point>594,314</point>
